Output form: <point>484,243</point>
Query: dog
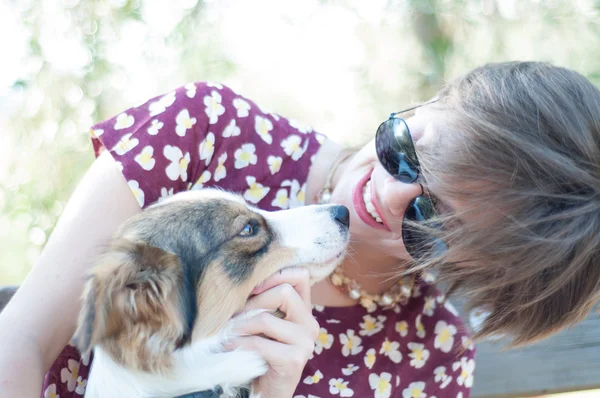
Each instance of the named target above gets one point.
<point>159,305</point>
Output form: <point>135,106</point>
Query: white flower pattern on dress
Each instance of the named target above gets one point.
<point>371,326</point>
<point>207,148</point>
<point>231,130</point>
<point>314,379</point>
<point>145,159</point>
<point>137,192</point>
<point>155,127</point>
<point>381,384</point>
<point>124,121</point>
<point>351,344</point>
<point>324,341</point>
<point>444,338</point>
<point>125,144</point>
<point>414,390</point>
<point>214,108</point>
<point>370,358</point>
<point>256,191</point>
<point>339,386</point>
<point>184,122</point>
<point>161,105</point>
<point>390,350</point>
<point>245,156</point>
<point>263,127</point>
<point>221,171</point>
<point>242,107</point>
<point>419,355</point>
<point>179,163</point>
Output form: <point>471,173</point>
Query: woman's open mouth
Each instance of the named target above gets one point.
<point>366,204</point>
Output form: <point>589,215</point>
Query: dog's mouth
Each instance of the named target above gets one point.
<point>317,271</point>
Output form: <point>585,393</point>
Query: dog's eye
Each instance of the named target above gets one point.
<point>248,230</point>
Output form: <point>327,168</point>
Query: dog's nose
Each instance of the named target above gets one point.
<point>341,215</point>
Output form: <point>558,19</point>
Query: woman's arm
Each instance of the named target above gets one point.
<point>41,318</point>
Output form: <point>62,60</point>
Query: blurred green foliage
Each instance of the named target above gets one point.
<point>339,65</point>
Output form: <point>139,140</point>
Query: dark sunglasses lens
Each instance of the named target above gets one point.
<point>419,243</point>
<point>396,151</point>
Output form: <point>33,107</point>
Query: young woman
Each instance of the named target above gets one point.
<point>495,185</point>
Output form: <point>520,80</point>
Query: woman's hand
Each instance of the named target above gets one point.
<point>286,344</point>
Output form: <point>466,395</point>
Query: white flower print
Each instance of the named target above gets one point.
<point>444,338</point>
<point>301,127</point>
<point>314,379</point>
<point>402,328</point>
<point>96,133</point>
<point>137,192</point>
<point>370,358</point>
<point>85,358</point>
<point>332,321</point>
<point>420,327</point>
<point>467,367</point>
<point>242,107</point>
<point>351,344</point>
<point>70,375</point>
<point>221,171</point>
<point>414,390</point>
<point>418,354</point>
<point>214,108</point>
<point>50,391</point>
<point>371,326</point>
<point>155,127</point>
<point>274,116</point>
<point>442,377</point>
<point>339,386</point>
<point>244,156</point>
<point>416,291</point>
<point>179,163</point>
<point>291,147</point>
<point>467,343</point>
<point>390,350</point>
<point>349,369</point>
<point>324,341</point>
<point>274,163</point>
<point>190,90</point>
<point>256,192</point>
<point>429,305</point>
<point>381,384</point>
<point>125,144</point>
<point>263,126</point>
<point>207,148</point>
<point>281,199</point>
<point>165,193</point>
<point>203,179</point>
<point>80,389</point>
<point>159,106</point>
<point>184,122</point>
<point>124,121</point>
<point>320,138</point>
<point>231,130</point>
<point>318,307</point>
<point>145,159</point>
<point>297,193</point>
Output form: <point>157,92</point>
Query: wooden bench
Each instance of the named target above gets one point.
<point>568,361</point>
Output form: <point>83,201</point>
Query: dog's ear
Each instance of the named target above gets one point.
<point>129,295</point>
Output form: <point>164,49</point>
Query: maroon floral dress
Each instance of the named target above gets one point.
<point>206,135</point>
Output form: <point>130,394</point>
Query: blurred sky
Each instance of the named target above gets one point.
<point>340,66</point>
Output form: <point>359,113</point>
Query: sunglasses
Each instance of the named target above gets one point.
<point>396,152</point>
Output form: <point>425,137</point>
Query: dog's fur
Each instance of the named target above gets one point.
<point>158,306</point>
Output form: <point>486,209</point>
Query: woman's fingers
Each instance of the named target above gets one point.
<point>276,329</point>
<point>285,298</point>
<point>283,359</point>
<point>297,277</point>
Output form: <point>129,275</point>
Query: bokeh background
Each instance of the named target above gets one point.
<point>340,66</point>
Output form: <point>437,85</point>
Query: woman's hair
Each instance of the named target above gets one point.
<point>520,154</point>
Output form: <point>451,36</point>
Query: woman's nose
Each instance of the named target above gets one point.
<point>398,195</point>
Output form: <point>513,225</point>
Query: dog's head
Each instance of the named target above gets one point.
<point>179,270</point>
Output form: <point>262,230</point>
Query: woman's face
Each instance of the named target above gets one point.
<point>376,200</point>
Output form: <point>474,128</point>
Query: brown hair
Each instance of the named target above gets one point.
<point>521,147</point>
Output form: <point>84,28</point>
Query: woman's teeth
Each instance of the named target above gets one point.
<point>369,204</point>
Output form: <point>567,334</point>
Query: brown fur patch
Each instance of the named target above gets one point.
<point>132,306</point>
